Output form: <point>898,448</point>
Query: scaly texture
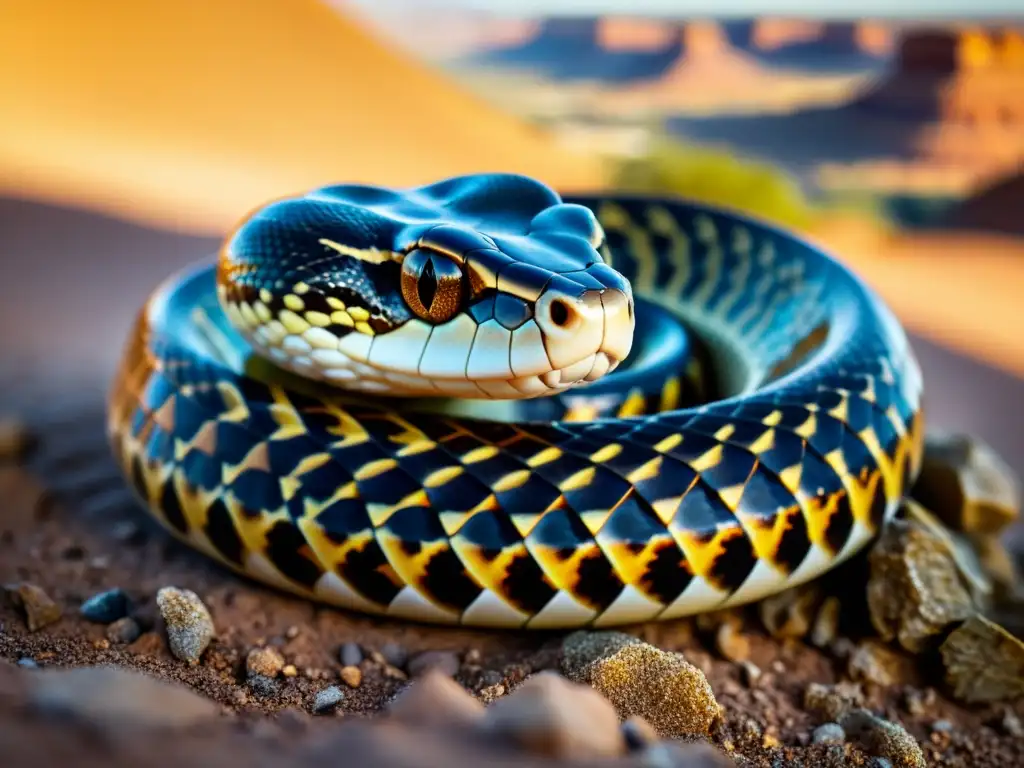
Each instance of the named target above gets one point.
<point>651,513</point>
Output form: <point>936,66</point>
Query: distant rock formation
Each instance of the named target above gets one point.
<point>811,41</point>
<point>996,208</point>
<point>610,49</point>
<point>622,33</point>
<point>972,77</point>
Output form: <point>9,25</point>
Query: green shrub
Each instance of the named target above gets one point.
<point>716,177</point>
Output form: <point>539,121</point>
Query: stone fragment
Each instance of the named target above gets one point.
<point>831,702</point>
<point>116,697</point>
<point>914,591</point>
<point>551,716</point>
<point>106,607</point>
<point>436,699</point>
<point>266,661</point>
<point>39,608</point>
<point>984,662</point>
<point>327,699</point>
<point>790,613</point>
<point>666,690</point>
<point>883,738</point>
<point>875,663</point>
<point>446,662</point>
<point>965,482</point>
<point>188,621</point>
<point>582,648</point>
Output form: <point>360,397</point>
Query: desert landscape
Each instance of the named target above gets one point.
<point>134,135</point>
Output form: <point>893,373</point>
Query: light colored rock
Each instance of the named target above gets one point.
<point>983,662</point>
<point>436,699</point>
<point>965,482</point>
<point>39,608</point>
<point>915,590</point>
<point>883,738</point>
<point>549,715</point>
<point>189,624</point>
<point>663,688</point>
<point>116,697</point>
<point>582,648</point>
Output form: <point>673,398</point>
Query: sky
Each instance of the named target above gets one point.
<point>722,8</point>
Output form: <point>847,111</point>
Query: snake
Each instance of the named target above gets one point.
<point>479,402</point>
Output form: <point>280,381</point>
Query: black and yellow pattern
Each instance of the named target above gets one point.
<point>659,512</point>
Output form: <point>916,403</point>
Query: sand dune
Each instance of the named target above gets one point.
<point>960,290</point>
<point>188,113</point>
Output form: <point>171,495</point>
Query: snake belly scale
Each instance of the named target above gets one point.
<point>265,409</point>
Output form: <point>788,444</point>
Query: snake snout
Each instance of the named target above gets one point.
<point>576,328</point>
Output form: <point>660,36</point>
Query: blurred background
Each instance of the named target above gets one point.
<point>134,133</point>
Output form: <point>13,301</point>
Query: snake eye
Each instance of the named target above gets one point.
<point>432,285</point>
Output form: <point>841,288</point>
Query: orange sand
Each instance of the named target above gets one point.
<point>188,113</point>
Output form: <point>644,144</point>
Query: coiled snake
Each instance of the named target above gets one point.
<point>403,402</point>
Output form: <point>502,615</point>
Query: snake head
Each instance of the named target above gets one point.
<point>484,286</point>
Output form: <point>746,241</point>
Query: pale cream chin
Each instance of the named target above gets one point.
<point>457,359</point>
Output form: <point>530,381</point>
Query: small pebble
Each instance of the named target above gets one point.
<point>328,699</point>
<point>292,632</point>
<point>667,754</point>
<point>942,726</point>
<point>352,676</point>
<point>26,663</point>
<point>833,701</point>
<point>876,663</point>
<point>826,624</point>
<point>883,738</point>
<point>189,624</point>
<point>15,439</point>
<point>492,692</point>
<point>829,733</point>
<point>266,661</point>
<point>436,699</point>
<point>445,662</point>
<point>106,607</point>
<point>582,648</point>
<point>750,673</point>
<point>123,631</point>
<point>289,670</point>
<point>880,762</point>
<point>731,643</point>
<point>673,695</point>
<point>350,655</point>
<point>638,733</point>
<point>548,715</point>
<point>394,654</point>
<point>40,610</point>
<point>262,685</point>
<point>1011,724</point>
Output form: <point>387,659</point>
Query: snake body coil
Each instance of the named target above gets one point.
<point>630,505</point>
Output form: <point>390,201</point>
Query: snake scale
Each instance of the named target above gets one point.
<point>340,405</point>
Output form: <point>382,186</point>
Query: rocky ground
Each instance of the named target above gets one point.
<point>119,645</point>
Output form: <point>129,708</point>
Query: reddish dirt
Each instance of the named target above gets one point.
<point>68,525</point>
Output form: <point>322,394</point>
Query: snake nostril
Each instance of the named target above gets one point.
<point>560,313</point>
